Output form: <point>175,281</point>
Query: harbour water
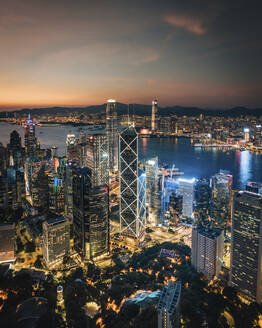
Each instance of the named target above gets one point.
<point>193,161</point>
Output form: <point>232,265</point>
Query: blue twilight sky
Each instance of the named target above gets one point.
<point>82,52</point>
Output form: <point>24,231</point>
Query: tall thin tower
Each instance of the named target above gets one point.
<point>111,131</point>
<point>132,187</point>
<point>30,138</point>
<point>154,115</point>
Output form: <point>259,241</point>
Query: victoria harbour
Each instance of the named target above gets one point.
<point>192,161</point>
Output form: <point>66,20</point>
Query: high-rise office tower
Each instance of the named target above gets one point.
<point>155,207</point>
<point>111,131</point>
<point>186,189</point>
<point>69,188</point>
<point>151,170</point>
<point>15,142</point>
<point>70,139</point>
<point>16,187</point>
<point>207,250</point>
<point>56,198</point>
<point>30,138</point>
<point>15,150</point>
<point>7,243</point>
<point>154,121</point>
<point>132,187</point>
<point>246,245</point>
<point>175,204</point>
<point>168,309</point>
<point>255,187</point>
<point>221,198</point>
<point>90,215</point>
<point>3,160</point>
<point>3,195</point>
<point>81,190</point>
<point>98,237</point>
<point>202,200</point>
<point>246,134</point>
<point>97,158</point>
<point>56,240</point>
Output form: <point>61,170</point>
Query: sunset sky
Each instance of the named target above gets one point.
<point>188,52</point>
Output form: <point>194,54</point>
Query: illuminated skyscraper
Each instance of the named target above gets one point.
<point>56,240</point>
<point>98,236</point>
<point>97,158</point>
<point>246,245</point>
<point>30,138</point>
<point>246,134</point>
<point>186,189</point>
<point>70,139</point>
<point>132,187</point>
<point>202,200</point>
<point>7,243</point>
<point>154,116</point>
<point>90,215</point>
<point>207,250</point>
<point>168,308</point>
<point>151,169</point>
<point>111,131</point>
<point>221,196</point>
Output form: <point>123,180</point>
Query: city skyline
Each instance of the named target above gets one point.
<point>63,53</point>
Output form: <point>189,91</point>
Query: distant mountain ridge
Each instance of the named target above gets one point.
<point>140,109</point>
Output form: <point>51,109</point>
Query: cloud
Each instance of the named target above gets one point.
<point>191,24</point>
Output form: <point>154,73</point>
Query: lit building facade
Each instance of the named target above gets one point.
<point>112,133</point>
<point>30,138</point>
<point>132,187</point>
<point>7,243</point>
<point>97,158</point>
<point>56,240</point>
<point>98,236</point>
<point>202,200</point>
<point>154,121</point>
<point>221,198</point>
<point>246,134</point>
<point>168,309</point>
<point>90,215</point>
<point>246,245</point>
<point>207,250</point>
<point>151,170</point>
<point>186,189</point>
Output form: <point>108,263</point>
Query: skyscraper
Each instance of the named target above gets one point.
<point>202,200</point>
<point>30,138</point>
<point>151,169</point>
<point>56,240</point>
<point>221,185</point>
<point>186,189</point>
<point>97,158</point>
<point>207,250</point>
<point>132,187</point>
<point>111,131</point>
<point>246,245</point>
<point>168,308</point>
<point>98,237</point>
<point>154,115</point>
<point>90,215</point>
<point>7,243</point>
